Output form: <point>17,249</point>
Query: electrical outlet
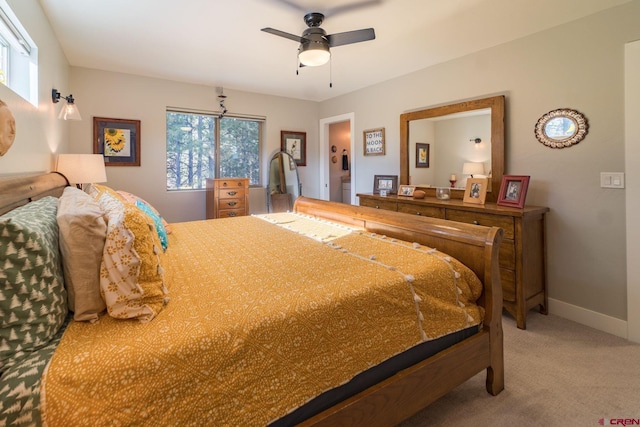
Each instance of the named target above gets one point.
<point>612,179</point>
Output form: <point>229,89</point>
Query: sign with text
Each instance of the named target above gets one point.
<point>374,142</point>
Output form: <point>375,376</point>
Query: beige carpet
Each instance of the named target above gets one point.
<point>557,373</point>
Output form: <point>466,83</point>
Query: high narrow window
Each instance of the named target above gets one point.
<point>18,56</point>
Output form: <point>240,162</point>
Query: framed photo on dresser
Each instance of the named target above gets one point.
<point>476,191</point>
<point>513,190</point>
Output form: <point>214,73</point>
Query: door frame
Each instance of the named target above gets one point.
<point>325,191</point>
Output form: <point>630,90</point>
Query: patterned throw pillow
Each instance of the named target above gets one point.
<point>33,300</point>
<point>131,275</point>
<point>157,220</point>
<point>137,200</point>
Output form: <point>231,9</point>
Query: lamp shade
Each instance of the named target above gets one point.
<point>314,54</point>
<point>82,168</point>
<point>69,112</point>
<point>473,168</point>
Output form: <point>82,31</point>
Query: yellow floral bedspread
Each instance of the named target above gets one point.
<point>261,319</point>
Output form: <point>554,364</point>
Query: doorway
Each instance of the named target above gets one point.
<point>337,183</point>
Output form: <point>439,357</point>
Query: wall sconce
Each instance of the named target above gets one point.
<point>82,169</point>
<point>69,111</point>
<point>476,140</point>
<point>472,168</point>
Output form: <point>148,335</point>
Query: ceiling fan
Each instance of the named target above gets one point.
<point>315,42</point>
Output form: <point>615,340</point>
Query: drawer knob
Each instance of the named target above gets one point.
<point>233,193</point>
<point>224,184</point>
<point>418,213</point>
<point>233,213</point>
<point>232,203</point>
<point>476,222</point>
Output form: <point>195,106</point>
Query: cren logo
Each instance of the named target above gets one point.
<point>619,422</point>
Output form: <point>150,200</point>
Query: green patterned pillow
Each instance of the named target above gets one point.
<point>33,301</point>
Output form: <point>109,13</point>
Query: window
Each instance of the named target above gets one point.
<point>202,145</point>
<point>18,56</point>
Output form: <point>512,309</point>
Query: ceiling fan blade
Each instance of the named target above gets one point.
<point>283,34</point>
<point>340,39</point>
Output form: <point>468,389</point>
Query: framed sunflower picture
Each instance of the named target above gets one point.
<point>118,140</point>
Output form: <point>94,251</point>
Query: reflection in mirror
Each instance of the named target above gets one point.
<point>560,128</point>
<point>284,183</point>
<point>453,145</point>
<point>486,117</point>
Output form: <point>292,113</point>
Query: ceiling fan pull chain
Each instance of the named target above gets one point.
<point>330,74</point>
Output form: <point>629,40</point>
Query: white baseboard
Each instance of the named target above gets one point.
<point>589,318</point>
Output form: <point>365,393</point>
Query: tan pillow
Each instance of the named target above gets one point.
<point>82,236</point>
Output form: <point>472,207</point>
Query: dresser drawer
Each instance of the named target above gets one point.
<point>430,211</point>
<point>507,257</point>
<point>504,222</point>
<point>229,183</point>
<point>231,204</point>
<point>508,282</point>
<point>230,213</point>
<point>380,204</point>
<point>232,193</point>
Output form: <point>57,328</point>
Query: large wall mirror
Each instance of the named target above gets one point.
<point>284,183</point>
<point>453,141</point>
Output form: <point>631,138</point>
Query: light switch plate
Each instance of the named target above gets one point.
<point>612,179</point>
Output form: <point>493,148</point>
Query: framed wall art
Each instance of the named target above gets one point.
<point>513,190</point>
<point>118,140</point>
<point>386,183</point>
<point>374,142</point>
<point>476,191</point>
<point>295,143</point>
<point>422,155</point>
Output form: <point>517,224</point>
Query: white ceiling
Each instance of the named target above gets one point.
<point>219,43</point>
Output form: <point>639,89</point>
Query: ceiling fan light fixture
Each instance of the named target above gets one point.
<point>314,54</point>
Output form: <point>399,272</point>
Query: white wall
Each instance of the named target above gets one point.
<point>632,152</point>
<point>123,96</point>
<point>39,133</point>
<point>578,65</point>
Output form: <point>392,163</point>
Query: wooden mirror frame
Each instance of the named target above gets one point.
<point>496,104</point>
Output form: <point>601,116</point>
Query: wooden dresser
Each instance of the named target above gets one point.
<point>522,252</point>
<point>227,197</point>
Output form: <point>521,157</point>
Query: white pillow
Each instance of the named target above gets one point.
<point>82,235</point>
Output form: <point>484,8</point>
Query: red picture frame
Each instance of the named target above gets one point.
<point>513,190</point>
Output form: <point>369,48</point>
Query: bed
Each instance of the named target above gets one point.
<point>209,288</point>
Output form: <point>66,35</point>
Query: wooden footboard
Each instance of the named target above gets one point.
<point>397,398</point>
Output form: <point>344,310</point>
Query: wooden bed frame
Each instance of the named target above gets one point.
<point>406,393</point>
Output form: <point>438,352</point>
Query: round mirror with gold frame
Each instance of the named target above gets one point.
<point>561,128</point>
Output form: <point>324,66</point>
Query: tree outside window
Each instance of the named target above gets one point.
<point>202,146</point>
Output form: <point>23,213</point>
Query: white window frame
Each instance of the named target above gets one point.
<point>217,141</point>
<point>21,73</point>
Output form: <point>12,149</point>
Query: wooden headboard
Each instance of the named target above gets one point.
<point>21,189</point>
